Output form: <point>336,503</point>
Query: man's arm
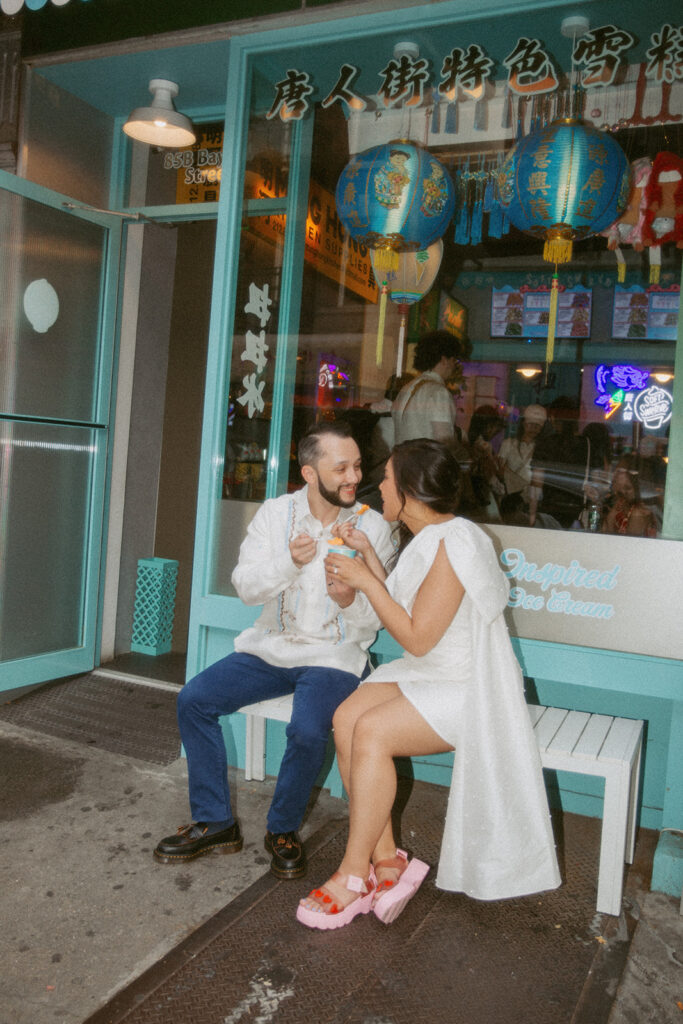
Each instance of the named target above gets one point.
<point>265,566</point>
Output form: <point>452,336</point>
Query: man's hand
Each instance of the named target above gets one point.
<point>340,592</point>
<point>303,550</point>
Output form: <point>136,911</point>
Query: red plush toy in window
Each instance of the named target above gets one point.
<point>663,198</point>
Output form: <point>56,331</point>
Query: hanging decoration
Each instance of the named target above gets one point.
<point>564,182</point>
<point>628,229</point>
<point>395,198</point>
<point>406,285</point>
<point>476,195</point>
<point>663,201</point>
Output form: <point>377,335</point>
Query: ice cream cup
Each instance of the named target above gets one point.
<point>341,549</point>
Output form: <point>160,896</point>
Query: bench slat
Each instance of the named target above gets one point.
<point>277,708</point>
<point>535,712</point>
<point>569,733</point>
<point>621,741</point>
<point>593,737</point>
<point>547,726</point>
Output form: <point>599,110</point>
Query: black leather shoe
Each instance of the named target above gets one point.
<point>289,856</point>
<point>192,841</point>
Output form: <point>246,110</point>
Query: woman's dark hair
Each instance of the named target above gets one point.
<point>483,418</point>
<point>429,472</point>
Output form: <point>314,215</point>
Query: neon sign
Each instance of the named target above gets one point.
<point>616,385</point>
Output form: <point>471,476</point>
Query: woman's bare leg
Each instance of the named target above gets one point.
<point>393,729</point>
<point>346,716</point>
<point>370,730</point>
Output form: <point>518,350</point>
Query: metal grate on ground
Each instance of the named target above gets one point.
<point>447,959</point>
<point>126,718</point>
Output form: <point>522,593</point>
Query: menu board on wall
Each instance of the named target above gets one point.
<point>524,312</point>
<point>649,314</point>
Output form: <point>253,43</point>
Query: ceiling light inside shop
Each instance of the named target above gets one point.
<point>528,371</point>
<point>160,124</point>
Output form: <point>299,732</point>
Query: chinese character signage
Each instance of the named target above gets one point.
<point>525,312</point>
<point>407,80</point>
<point>649,314</point>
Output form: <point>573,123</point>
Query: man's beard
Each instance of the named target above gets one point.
<point>334,497</point>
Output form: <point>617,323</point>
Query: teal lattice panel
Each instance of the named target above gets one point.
<point>154,605</point>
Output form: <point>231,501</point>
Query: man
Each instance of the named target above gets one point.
<point>310,640</point>
<point>424,407</point>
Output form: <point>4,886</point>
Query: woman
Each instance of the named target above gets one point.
<point>626,512</point>
<point>485,471</point>
<point>457,685</point>
<point>515,454</point>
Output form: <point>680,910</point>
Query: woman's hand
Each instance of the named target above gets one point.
<point>352,572</point>
<point>352,537</point>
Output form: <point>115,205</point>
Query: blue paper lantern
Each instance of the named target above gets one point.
<point>395,198</point>
<point>564,182</point>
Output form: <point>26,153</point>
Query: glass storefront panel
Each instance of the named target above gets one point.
<point>46,479</point>
<point>50,273</point>
<point>596,459</point>
<point>250,399</point>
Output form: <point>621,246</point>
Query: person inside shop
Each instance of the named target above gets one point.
<point>310,640</point>
<point>560,467</point>
<point>624,510</point>
<point>456,686</point>
<point>380,441</point>
<point>485,471</point>
<point>424,407</point>
<point>515,453</point>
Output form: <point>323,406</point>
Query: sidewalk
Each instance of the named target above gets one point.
<point>87,911</point>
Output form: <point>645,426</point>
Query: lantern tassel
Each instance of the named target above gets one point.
<point>557,250</point>
<point>403,309</point>
<point>621,265</point>
<point>386,258</point>
<point>379,348</point>
<point>552,323</point>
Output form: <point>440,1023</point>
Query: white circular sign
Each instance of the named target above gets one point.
<point>653,407</point>
<point>41,305</point>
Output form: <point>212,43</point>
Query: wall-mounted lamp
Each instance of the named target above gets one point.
<point>160,124</point>
<point>528,371</point>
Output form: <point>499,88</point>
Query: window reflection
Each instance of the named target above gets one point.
<point>579,444</point>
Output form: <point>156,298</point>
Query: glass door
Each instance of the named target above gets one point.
<point>58,273</point>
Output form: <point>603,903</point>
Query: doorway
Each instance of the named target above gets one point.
<point>165,430</point>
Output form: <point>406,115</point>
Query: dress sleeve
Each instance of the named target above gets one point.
<point>474,560</point>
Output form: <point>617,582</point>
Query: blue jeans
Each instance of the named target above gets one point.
<point>231,684</point>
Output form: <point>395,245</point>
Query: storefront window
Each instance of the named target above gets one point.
<point>178,176</point>
<point>572,440</point>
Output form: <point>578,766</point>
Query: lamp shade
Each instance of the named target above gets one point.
<point>405,284</point>
<point>160,124</point>
<point>564,182</point>
<point>395,198</point>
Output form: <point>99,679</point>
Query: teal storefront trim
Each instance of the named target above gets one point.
<point>572,676</point>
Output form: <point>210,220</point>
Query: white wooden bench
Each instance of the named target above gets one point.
<point>571,741</point>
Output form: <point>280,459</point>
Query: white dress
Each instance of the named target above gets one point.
<point>497,840</point>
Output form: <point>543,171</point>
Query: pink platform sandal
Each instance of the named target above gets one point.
<point>331,914</point>
<point>391,895</point>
